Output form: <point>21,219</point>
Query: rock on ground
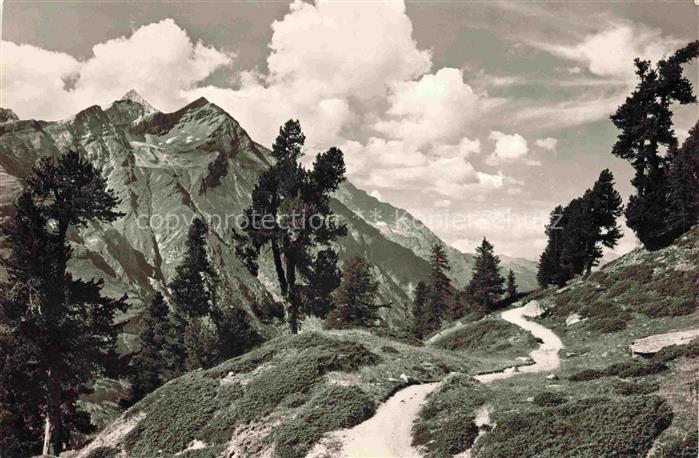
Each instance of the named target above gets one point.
<point>653,344</point>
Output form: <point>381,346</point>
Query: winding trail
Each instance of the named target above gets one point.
<point>389,432</point>
<point>545,357</point>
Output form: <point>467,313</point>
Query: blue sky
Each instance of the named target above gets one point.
<point>477,117</point>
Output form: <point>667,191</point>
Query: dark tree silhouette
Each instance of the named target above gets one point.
<point>194,296</point>
<point>323,277</point>
<point>356,297</point>
<point>440,292</point>
<point>194,285</point>
<point>291,213</point>
<point>149,367</point>
<point>486,286</point>
<point>550,270</point>
<point>206,333</point>
<point>645,124</point>
<point>578,232</point>
<point>511,285</point>
<point>42,306</point>
<point>419,305</point>
<point>683,185</point>
<point>604,206</point>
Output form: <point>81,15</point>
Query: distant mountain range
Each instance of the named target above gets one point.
<point>198,161</point>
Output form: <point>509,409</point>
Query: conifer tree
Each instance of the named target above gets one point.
<point>43,307</point>
<point>356,297</point>
<point>645,124</point>
<point>194,295</point>
<point>604,206</point>
<point>323,277</point>
<point>441,291</point>
<point>511,285</point>
<point>683,185</point>
<point>149,367</point>
<point>550,270</point>
<point>486,286</point>
<point>291,213</point>
<point>194,285</point>
<point>419,304</point>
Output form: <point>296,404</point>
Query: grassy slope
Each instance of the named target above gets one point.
<point>490,338</point>
<point>641,292</point>
<point>284,395</point>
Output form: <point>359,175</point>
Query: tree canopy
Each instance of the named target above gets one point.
<point>290,212</point>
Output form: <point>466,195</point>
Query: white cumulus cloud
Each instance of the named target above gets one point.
<point>608,52</point>
<point>438,107</point>
<point>508,147</point>
<point>159,60</point>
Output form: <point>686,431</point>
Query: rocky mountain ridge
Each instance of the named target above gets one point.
<point>168,168</point>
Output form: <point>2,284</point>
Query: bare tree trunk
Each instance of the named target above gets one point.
<point>52,427</point>
<point>292,295</point>
<point>279,268</point>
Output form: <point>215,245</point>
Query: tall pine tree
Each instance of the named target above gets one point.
<point>291,214</point>
<point>486,286</point>
<point>551,272</point>
<point>419,305</point>
<point>150,366</point>
<point>356,297</point>
<point>194,295</point>
<point>67,320</point>
<point>645,124</point>
<point>604,206</point>
<point>323,277</point>
<point>683,185</point>
<point>511,285</point>
<point>440,294</point>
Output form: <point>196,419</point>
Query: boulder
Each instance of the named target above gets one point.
<point>533,309</point>
<point>652,344</point>
<point>574,318</point>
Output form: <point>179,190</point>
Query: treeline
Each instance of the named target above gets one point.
<point>666,202</point>
<point>436,300</point>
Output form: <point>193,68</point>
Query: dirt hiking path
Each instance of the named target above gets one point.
<point>388,434</point>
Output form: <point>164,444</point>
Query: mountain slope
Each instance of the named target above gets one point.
<point>401,227</point>
<point>294,391</point>
<point>168,168</point>
<point>199,162</point>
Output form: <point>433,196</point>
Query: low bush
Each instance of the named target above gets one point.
<point>635,389</point>
<point>606,317</point>
<point>591,427</point>
<point>103,452</point>
<point>446,425</point>
<point>622,370</point>
<point>607,325</point>
<point>199,406</point>
<point>634,369</point>
<point>669,306</point>
<point>667,354</point>
<point>335,407</point>
<point>585,375</point>
<point>548,399</point>
<point>400,335</point>
<point>681,447</point>
<point>453,436</point>
<point>488,335</point>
